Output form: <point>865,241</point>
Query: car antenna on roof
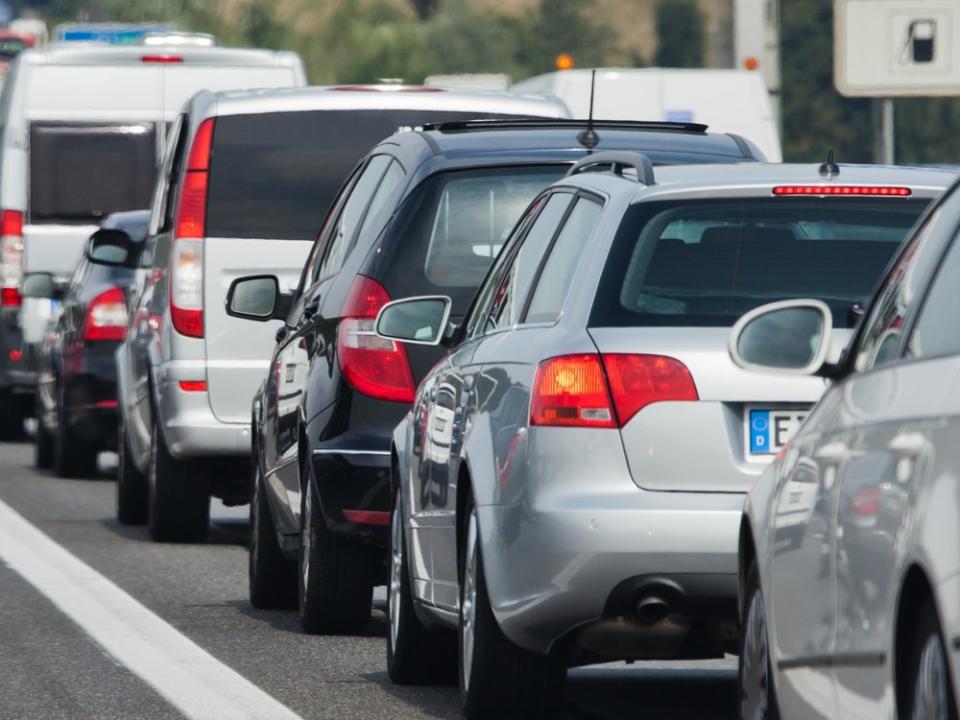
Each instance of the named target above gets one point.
<point>588,138</point>
<point>829,169</point>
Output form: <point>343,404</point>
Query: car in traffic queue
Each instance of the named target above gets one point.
<point>425,212</point>
<point>245,186</point>
<point>77,379</point>
<point>588,509</point>
<point>84,128</point>
<point>850,590</point>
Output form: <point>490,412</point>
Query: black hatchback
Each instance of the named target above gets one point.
<point>426,212</point>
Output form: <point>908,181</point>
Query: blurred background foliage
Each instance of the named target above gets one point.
<point>350,41</point>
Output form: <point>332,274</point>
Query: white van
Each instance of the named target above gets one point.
<point>83,129</point>
<point>731,101</point>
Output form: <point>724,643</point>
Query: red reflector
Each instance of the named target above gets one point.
<point>639,380</point>
<point>168,59</point>
<point>372,365</point>
<point>571,391</point>
<point>10,297</point>
<point>871,190</point>
<point>106,317</point>
<point>193,385</point>
<point>367,517</point>
<point>15,355</point>
<point>11,222</point>
<point>106,404</point>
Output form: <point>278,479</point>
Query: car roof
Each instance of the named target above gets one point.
<point>93,53</point>
<point>378,97</point>
<point>757,180</point>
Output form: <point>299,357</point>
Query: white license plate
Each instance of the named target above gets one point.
<point>768,431</point>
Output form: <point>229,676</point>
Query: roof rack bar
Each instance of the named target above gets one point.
<point>559,123</point>
<point>618,160</point>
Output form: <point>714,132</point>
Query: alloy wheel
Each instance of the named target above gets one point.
<point>468,606</point>
<point>930,698</point>
<point>754,676</point>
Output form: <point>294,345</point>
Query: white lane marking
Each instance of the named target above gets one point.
<point>188,677</point>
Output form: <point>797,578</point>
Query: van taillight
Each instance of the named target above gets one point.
<point>106,316</point>
<point>186,263</point>
<point>10,297</point>
<point>11,256</point>
<point>605,391</point>
<point>372,365</point>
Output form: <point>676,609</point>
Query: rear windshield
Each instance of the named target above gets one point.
<point>85,171</point>
<point>452,227</point>
<point>707,263</point>
<point>273,175</point>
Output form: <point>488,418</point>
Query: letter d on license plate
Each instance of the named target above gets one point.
<point>769,430</point>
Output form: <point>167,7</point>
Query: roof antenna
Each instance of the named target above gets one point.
<point>829,169</point>
<point>588,138</point>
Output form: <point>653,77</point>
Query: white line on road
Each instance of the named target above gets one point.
<point>188,677</point>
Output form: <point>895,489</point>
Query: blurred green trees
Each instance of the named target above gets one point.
<point>679,34</point>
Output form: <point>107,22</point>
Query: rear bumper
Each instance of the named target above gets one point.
<point>190,428</point>
<point>18,376</point>
<point>90,392</point>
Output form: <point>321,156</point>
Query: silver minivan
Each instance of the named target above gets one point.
<point>244,190</point>
<point>83,131</point>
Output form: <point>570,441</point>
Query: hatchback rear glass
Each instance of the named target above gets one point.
<point>453,225</point>
<point>705,263</point>
<point>273,175</point>
<point>85,171</point>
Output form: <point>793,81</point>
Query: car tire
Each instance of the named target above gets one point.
<point>133,492</point>
<point>272,576</point>
<point>179,505</point>
<point>498,679</point>
<point>12,415</point>
<point>929,692</point>
<point>335,589</point>
<point>757,697</point>
<point>43,449</point>
<point>416,655</point>
<point>72,456</point>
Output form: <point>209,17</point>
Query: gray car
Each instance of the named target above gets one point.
<point>849,546</point>
<point>570,480</point>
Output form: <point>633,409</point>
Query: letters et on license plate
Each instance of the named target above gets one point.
<point>769,430</point>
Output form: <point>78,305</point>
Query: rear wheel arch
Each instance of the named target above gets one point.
<point>747,555</point>
<point>915,591</point>
<point>464,493</point>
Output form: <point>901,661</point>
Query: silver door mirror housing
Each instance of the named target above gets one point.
<point>257,297</point>
<point>789,337</point>
<point>421,320</point>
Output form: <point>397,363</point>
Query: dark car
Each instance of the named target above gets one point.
<point>77,388</point>
<point>426,212</point>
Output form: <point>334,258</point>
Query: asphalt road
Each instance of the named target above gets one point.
<point>52,667</point>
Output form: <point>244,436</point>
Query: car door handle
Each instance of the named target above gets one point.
<point>311,308</point>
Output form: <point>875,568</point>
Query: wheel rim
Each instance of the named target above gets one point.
<point>468,604</point>
<point>754,675</point>
<point>930,691</point>
<point>305,535</point>
<point>396,574</point>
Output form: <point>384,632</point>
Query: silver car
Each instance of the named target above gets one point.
<point>849,544</point>
<point>570,480</point>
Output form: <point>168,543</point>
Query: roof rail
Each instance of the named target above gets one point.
<point>560,123</point>
<point>617,160</point>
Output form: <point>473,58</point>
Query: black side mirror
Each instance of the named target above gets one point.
<point>113,248</point>
<point>258,297</point>
<point>41,285</point>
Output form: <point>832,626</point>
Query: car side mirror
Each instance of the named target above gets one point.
<point>788,337</point>
<point>419,320</point>
<point>41,285</point>
<point>258,297</point>
<point>111,247</point>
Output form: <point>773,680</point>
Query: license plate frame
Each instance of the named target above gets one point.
<point>763,426</point>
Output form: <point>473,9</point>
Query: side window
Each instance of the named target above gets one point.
<point>390,182</point>
<point>937,330</point>
<point>350,217</point>
<point>557,274</point>
<point>879,342</point>
<point>515,284</point>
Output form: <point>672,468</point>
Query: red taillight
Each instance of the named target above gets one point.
<point>866,502</point>
<point>163,59</point>
<point>193,385</point>
<point>10,297</point>
<point>639,380</point>
<point>372,365</point>
<point>106,317</point>
<point>186,261</point>
<point>871,190</point>
<point>11,223</point>
<point>15,355</point>
<point>571,390</point>
<point>11,254</point>
<point>605,391</point>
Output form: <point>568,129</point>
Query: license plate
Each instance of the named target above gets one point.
<point>768,431</point>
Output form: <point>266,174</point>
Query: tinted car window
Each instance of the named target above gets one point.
<point>388,184</point>
<point>705,263</point>
<point>937,330</point>
<point>557,273</point>
<point>290,165</point>
<point>451,227</point>
<point>85,171</point>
